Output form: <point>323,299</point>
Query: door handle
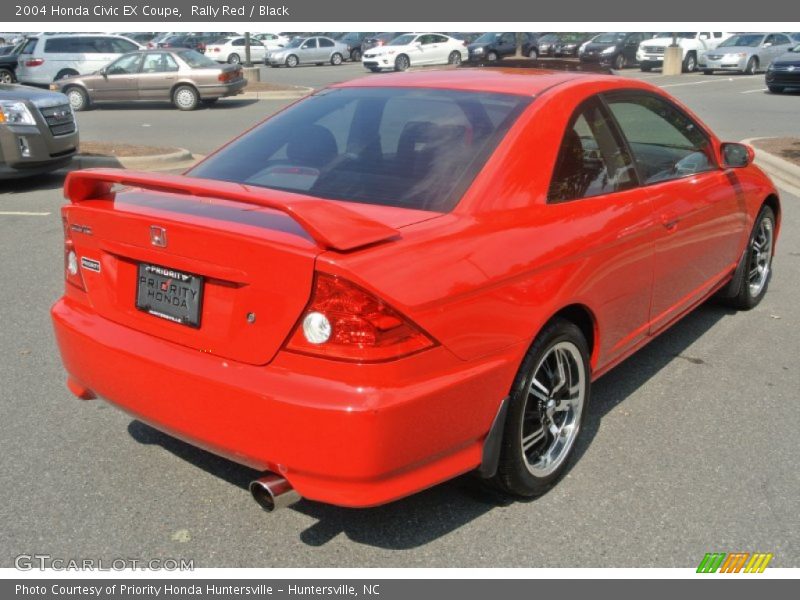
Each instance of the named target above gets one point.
<point>670,222</point>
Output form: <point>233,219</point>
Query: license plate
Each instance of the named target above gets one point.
<point>169,294</point>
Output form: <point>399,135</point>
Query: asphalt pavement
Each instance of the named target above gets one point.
<point>690,446</point>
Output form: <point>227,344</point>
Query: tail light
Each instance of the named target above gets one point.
<point>215,49</point>
<point>34,62</point>
<point>72,268</point>
<point>226,76</point>
<point>345,322</point>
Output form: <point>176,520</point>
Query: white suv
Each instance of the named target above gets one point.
<point>47,58</point>
<point>693,44</point>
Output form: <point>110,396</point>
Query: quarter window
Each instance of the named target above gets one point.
<point>592,159</point>
<point>666,144</point>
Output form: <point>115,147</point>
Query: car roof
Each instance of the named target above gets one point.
<point>527,82</point>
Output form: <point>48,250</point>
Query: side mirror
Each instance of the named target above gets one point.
<point>104,72</point>
<point>735,155</point>
<point>766,44</point>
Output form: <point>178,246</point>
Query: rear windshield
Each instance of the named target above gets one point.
<point>196,60</point>
<point>412,148</point>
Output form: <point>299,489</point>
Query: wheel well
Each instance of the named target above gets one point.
<point>581,316</point>
<point>773,202</point>
<point>182,84</point>
<point>65,72</point>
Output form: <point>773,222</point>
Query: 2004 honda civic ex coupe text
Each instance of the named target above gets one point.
<point>409,277</point>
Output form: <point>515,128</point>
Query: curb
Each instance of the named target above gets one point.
<point>300,92</point>
<point>778,168</point>
<point>181,158</point>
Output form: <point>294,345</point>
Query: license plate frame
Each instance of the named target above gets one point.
<point>170,294</point>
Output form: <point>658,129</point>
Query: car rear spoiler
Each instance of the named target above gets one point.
<point>331,225</point>
<point>552,64</point>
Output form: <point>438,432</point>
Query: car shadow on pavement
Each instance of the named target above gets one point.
<point>222,104</point>
<point>438,511</point>
<point>23,185</point>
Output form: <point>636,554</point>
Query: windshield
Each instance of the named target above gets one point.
<point>295,43</point>
<point>571,38</point>
<point>196,60</point>
<point>742,40</point>
<point>403,40</point>
<point>487,38</point>
<point>795,49</point>
<point>609,38</point>
<point>689,35</point>
<point>404,147</point>
<point>549,38</point>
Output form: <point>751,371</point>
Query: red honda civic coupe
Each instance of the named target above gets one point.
<point>407,277</point>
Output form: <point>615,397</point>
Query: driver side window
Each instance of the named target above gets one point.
<point>666,144</point>
<point>125,65</point>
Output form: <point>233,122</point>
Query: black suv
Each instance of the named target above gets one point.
<point>493,46</point>
<point>617,50</point>
<point>8,64</point>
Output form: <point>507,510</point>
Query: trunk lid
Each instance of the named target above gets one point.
<point>250,253</point>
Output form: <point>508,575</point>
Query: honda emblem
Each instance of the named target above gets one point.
<point>158,236</point>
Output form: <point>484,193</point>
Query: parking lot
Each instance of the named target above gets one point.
<point>690,445</point>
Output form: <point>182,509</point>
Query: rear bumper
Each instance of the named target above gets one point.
<point>222,90</point>
<point>366,436</point>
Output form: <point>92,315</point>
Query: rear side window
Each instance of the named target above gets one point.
<point>666,144</point>
<point>413,148</point>
<point>592,159</point>
<point>29,46</point>
<point>326,43</point>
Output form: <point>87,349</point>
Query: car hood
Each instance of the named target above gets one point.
<point>790,58</point>
<point>663,41</point>
<point>387,49</point>
<point>596,46</point>
<point>40,98</point>
<point>732,50</point>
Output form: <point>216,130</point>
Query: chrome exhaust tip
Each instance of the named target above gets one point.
<point>272,492</point>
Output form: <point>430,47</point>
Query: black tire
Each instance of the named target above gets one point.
<point>401,63</point>
<point>7,76</point>
<point>689,63</point>
<point>234,59</point>
<point>514,475</point>
<point>775,89</point>
<point>454,58</point>
<point>752,66</point>
<point>739,293</point>
<point>292,61</point>
<point>64,73</point>
<point>355,55</point>
<point>78,98</point>
<point>532,53</point>
<point>492,56</point>
<point>336,59</point>
<point>375,69</point>
<point>646,68</point>
<point>185,97</point>
<point>619,62</point>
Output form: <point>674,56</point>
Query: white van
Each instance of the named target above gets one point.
<point>48,57</point>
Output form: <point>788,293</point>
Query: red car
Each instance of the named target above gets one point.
<point>407,277</point>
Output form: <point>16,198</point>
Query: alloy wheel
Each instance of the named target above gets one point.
<point>760,257</point>
<point>553,408</point>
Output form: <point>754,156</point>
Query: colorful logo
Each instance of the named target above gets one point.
<point>735,562</point>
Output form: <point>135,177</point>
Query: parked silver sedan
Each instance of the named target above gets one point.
<point>316,50</point>
<point>745,52</point>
